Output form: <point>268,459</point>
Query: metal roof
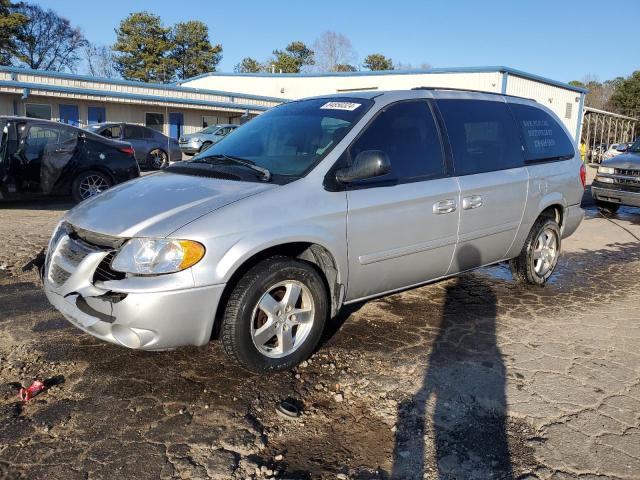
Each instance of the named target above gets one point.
<point>488,69</point>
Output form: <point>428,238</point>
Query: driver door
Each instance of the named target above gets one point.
<point>401,227</point>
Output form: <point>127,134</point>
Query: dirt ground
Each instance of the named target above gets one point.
<point>472,378</point>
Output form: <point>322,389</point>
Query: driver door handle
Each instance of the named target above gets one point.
<point>474,201</point>
<point>444,206</point>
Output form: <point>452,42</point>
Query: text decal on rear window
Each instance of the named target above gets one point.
<point>350,106</point>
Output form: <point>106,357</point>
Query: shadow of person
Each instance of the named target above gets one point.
<point>463,392</point>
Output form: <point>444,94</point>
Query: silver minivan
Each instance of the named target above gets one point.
<point>313,205</point>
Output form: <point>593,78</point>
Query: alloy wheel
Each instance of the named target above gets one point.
<point>282,319</point>
<point>545,252</point>
<point>92,185</point>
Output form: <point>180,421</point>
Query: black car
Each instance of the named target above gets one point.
<point>40,156</point>
<point>618,181</point>
<point>152,149</point>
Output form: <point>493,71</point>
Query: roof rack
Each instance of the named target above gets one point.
<point>471,91</point>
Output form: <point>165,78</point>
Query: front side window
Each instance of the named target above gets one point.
<point>37,110</point>
<point>154,121</point>
<point>544,138</point>
<point>407,133</point>
<point>111,132</point>
<point>482,134</point>
<point>290,139</point>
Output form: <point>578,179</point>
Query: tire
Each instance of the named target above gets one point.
<point>89,183</point>
<point>608,208</point>
<point>262,342</point>
<point>205,146</point>
<point>536,263</point>
<point>158,159</point>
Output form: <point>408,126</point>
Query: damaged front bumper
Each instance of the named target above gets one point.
<point>147,313</point>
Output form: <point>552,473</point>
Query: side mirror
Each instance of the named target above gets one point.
<point>367,164</point>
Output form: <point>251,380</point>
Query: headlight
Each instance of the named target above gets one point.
<point>60,231</point>
<point>607,170</point>
<point>604,179</point>
<point>148,256</point>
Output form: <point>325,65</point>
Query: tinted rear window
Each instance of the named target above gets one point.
<point>544,138</point>
<point>482,134</point>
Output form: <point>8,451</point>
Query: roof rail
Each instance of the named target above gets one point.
<point>471,91</point>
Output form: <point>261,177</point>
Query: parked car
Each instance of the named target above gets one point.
<point>618,181</point>
<point>152,149</point>
<point>615,149</point>
<point>39,156</point>
<point>313,205</point>
<point>193,143</point>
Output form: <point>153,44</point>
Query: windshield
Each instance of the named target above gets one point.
<point>210,129</point>
<point>635,148</point>
<point>292,138</point>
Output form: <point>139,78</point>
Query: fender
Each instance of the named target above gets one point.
<point>249,246</point>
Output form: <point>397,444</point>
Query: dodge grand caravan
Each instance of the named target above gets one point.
<point>313,205</point>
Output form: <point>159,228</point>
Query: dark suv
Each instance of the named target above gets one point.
<point>152,149</point>
<point>39,156</point>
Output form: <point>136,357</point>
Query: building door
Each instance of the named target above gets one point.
<point>69,114</point>
<point>97,115</point>
<point>176,124</point>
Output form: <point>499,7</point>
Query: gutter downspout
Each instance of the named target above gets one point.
<point>580,118</point>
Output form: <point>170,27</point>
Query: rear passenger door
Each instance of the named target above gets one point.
<point>488,162</point>
<point>134,135</point>
<point>401,227</point>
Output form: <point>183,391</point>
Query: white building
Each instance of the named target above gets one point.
<point>226,97</point>
<point>565,100</point>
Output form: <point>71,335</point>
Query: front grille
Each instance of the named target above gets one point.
<point>104,272</point>
<point>628,173</point>
<point>627,181</point>
<point>58,275</point>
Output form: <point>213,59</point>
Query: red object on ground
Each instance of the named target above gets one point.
<point>27,394</point>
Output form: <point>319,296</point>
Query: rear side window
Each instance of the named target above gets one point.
<point>407,133</point>
<point>544,138</point>
<point>134,132</point>
<point>482,134</point>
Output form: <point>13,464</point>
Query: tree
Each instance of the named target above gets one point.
<point>377,61</point>
<point>248,65</point>
<point>46,41</point>
<point>293,58</point>
<point>100,61</point>
<point>192,51</point>
<point>410,66</point>
<point>626,97</point>
<point>144,47</point>
<point>333,49</point>
<point>343,67</point>
<point>10,24</point>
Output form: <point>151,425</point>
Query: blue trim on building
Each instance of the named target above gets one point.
<point>505,79</point>
<point>134,96</point>
<point>168,87</point>
<point>491,69</point>
<point>580,117</point>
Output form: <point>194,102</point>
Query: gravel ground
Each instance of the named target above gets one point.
<point>474,377</point>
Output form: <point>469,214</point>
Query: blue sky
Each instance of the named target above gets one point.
<point>560,39</point>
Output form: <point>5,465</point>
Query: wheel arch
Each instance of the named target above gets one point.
<point>90,168</point>
<point>312,252</point>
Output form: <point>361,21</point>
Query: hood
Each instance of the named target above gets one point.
<point>625,161</point>
<point>158,204</point>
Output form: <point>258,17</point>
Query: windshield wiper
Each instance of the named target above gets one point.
<point>266,174</point>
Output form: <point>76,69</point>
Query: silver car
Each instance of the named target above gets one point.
<point>193,143</point>
<point>313,205</point>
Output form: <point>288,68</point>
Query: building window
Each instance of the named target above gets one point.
<point>209,120</point>
<point>38,110</point>
<point>154,121</point>
<point>97,115</point>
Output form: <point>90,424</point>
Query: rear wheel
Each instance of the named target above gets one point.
<point>88,184</point>
<point>275,315</point>
<point>540,253</point>
<point>607,208</point>
<point>158,159</point>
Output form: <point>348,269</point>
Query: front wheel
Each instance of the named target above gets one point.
<point>275,315</point>
<point>89,184</point>
<point>540,253</point>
